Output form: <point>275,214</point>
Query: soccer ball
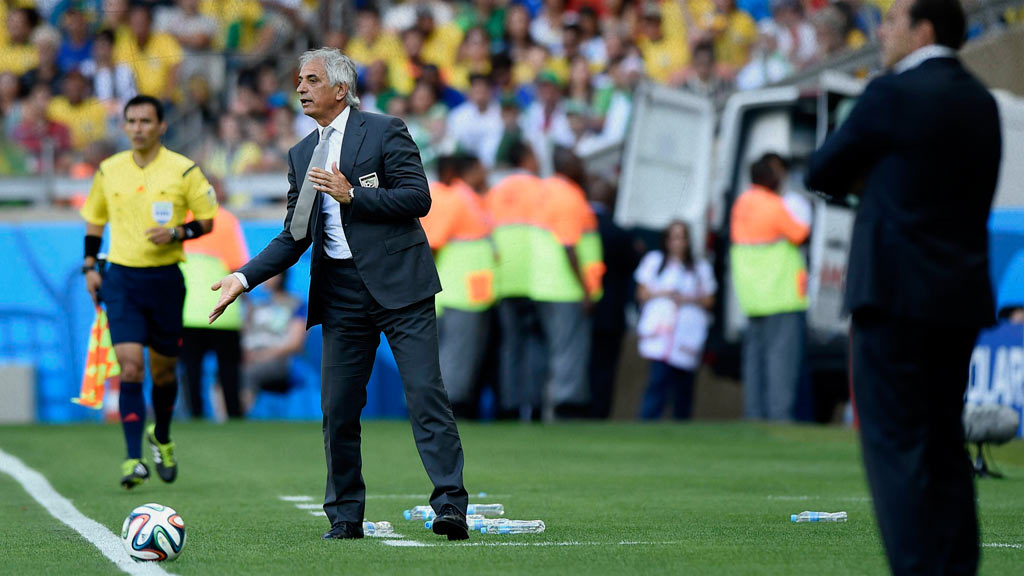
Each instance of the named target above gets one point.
<point>153,533</point>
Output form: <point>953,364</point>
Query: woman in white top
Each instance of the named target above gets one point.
<point>676,293</point>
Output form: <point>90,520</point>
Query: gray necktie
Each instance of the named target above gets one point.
<point>304,205</point>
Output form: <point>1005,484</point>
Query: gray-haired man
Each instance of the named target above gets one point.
<point>371,271</point>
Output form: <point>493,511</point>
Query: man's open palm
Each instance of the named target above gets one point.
<point>230,287</point>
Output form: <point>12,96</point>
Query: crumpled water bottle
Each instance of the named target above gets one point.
<point>381,528</point>
<point>505,526</point>
<point>807,516</point>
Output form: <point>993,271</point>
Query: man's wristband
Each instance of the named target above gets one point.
<point>193,230</point>
<point>92,245</point>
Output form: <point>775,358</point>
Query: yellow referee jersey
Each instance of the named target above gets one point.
<point>134,199</point>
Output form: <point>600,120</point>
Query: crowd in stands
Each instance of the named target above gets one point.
<point>467,75</point>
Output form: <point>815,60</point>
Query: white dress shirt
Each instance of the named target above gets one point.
<point>335,244</point>
<point>917,57</point>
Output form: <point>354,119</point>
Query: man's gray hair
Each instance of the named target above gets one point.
<point>340,70</point>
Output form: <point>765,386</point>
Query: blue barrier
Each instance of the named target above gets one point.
<point>45,315</point>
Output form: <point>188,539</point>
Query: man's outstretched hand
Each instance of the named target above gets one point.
<point>230,287</point>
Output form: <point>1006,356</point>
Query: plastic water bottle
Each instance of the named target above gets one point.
<point>486,509</point>
<point>473,522</point>
<point>504,526</point>
<point>381,528</point>
<point>427,513</point>
<point>806,516</point>
<point>419,513</point>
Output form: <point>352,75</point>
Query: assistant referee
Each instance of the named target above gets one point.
<point>145,194</point>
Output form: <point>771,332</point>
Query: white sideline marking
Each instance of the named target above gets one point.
<point>39,488</point>
<point>803,497</point>
<point>425,497</point>
<point>309,506</point>
<point>413,543</point>
<point>406,544</point>
<point>296,498</point>
<point>1003,545</point>
<point>320,513</point>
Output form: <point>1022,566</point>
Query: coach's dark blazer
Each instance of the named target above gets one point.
<point>381,224</point>
<point>920,243</point>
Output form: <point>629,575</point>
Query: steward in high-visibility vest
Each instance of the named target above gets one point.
<point>768,269</point>
<point>458,229</point>
<point>514,204</point>
<point>571,234</point>
<point>770,279</point>
<point>566,272</point>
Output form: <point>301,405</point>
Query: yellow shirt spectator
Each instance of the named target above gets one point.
<point>134,199</point>
<point>87,120</point>
<point>223,162</point>
<point>664,57</point>
<point>402,75</point>
<point>386,47</point>
<point>153,64</point>
<point>18,59</point>
<point>240,22</point>
<point>442,47</point>
<point>735,33</point>
<point>458,76</point>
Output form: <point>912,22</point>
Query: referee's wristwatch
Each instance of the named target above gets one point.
<point>174,234</point>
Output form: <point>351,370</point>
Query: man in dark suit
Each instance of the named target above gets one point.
<point>922,150</point>
<point>621,257</point>
<point>371,271</point>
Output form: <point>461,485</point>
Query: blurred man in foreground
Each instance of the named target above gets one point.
<point>924,141</point>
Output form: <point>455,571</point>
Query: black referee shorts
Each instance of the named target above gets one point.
<point>144,306</point>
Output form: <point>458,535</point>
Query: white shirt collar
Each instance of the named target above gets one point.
<point>338,123</point>
<point>917,57</point>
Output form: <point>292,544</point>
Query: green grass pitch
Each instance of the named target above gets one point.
<point>701,498</point>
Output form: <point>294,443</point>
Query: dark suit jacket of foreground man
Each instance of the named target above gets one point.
<point>398,283</point>
<point>926,145</point>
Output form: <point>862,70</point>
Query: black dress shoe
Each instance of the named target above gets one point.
<point>344,531</point>
<point>451,522</point>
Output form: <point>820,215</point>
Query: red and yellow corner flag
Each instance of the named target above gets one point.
<point>100,364</point>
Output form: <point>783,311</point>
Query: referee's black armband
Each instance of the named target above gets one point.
<point>193,230</point>
<point>92,245</point>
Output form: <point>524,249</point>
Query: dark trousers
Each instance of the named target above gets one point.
<point>908,382</point>
<point>666,381</point>
<point>353,321</point>
<point>226,344</point>
<point>523,359</point>
<point>605,351</point>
